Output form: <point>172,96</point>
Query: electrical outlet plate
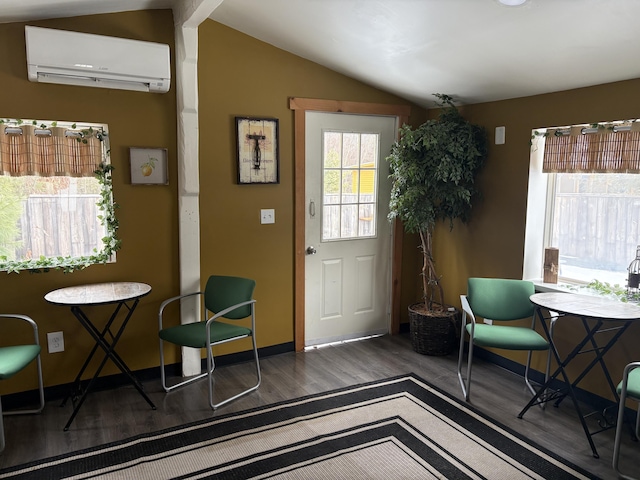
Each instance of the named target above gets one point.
<point>267,215</point>
<point>55,342</point>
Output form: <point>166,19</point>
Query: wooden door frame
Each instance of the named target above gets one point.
<point>300,106</point>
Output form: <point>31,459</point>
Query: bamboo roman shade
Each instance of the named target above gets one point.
<point>29,150</point>
<point>605,151</point>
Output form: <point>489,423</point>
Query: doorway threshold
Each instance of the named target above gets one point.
<point>341,342</point>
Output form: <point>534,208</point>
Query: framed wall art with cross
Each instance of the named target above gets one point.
<point>257,143</point>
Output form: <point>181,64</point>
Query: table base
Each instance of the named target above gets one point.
<point>589,344</point>
<point>78,394</point>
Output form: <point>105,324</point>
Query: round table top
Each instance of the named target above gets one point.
<point>587,306</point>
<point>98,293</point>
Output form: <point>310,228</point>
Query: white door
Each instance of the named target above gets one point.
<point>348,236</point>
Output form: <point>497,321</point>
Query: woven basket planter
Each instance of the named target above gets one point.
<point>433,334</point>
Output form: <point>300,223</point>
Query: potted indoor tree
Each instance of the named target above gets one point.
<point>433,171</point>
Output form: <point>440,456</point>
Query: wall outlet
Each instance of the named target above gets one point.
<point>267,215</point>
<point>55,341</point>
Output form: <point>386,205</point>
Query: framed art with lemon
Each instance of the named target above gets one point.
<point>148,166</point>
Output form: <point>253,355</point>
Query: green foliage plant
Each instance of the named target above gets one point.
<point>111,242</point>
<point>612,291</point>
<point>433,172</point>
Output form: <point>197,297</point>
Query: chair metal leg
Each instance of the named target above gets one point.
<point>620,423</point>
<point>210,365</point>
<point>1,429</point>
<point>163,378</point>
<point>36,340</point>
<point>209,374</point>
<point>40,395</point>
<point>27,411</point>
<point>547,372</point>
<point>460,355</point>
<point>616,443</point>
<point>528,365</point>
<point>526,373</point>
<point>465,385</point>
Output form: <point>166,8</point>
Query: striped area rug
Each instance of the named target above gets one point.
<point>398,428</point>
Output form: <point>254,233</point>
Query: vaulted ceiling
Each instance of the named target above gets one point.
<point>475,50</point>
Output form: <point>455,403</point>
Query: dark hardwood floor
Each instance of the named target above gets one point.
<point>115,414</point>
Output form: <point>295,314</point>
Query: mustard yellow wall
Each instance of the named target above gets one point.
<point>238,75</point>
<point>147,214</point>
<point>492,244</point>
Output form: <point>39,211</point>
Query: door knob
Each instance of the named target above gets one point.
<point>311,250</point>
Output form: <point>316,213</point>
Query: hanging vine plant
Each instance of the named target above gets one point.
<point>107,218</point>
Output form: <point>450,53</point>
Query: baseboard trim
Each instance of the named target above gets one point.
<point>58,392</point>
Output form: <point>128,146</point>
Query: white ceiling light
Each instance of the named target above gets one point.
<point>512,3</point>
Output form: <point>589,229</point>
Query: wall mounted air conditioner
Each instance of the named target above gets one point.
<point>72,58</point>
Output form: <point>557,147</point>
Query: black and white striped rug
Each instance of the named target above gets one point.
<point>399,428</point>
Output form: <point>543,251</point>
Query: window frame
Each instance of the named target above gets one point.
<point>538,227</point>
<point>341,169</point>
<point>106,205</point>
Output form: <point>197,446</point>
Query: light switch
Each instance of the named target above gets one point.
<point>267,215</point>
<point>500,134</point>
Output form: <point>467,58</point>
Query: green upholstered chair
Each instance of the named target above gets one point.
<point>225,300</point>
<point>503,300</point>
<point>15,358</point>
<point>629,387</point>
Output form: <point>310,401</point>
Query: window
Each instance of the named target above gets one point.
<point>594,223</point>
<point>586,177</point>
<point>56,208</point>
<point>349,187</point>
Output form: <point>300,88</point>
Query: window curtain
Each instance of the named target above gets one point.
<point>55,151</point>
<point>603,152</point>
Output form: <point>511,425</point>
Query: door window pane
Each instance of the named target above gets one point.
<point>351,150</point>
<point>331,187</point>
<point>368,186</point>
<point>349,190</point>
<point>369,148</point>
<point>331,222</point>
<point>367,220</point>
<point>349,186</point>
<point>332,144</point>
<point>349,221</point>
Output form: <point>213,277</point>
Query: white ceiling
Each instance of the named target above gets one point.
<point>474,50</point>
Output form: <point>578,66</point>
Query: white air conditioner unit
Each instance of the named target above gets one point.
<point>72,58</point>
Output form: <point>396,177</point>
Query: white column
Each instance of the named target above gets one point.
<point>188,16</point>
